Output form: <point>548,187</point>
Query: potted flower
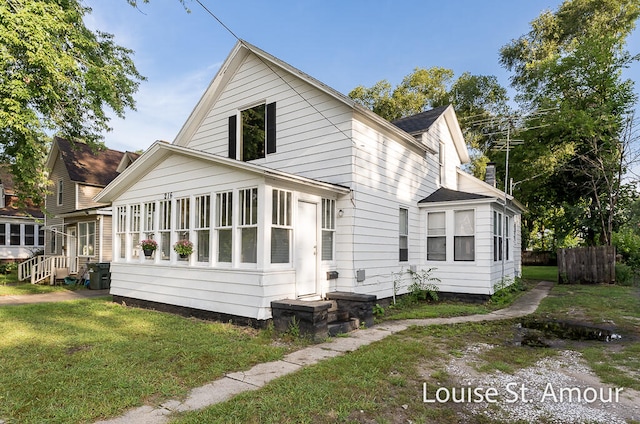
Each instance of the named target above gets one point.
<point>183,248</point>
<point>148,246</point>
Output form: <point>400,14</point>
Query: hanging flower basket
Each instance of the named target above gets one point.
<point>148,247</point>
<point>183,248</point>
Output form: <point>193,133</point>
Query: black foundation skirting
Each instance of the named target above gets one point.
<point>191,312</point>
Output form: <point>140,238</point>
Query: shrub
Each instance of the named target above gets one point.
<point>625,275</point>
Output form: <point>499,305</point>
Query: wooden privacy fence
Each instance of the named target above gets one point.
<point>587,265</point>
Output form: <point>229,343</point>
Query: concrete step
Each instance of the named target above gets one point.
<point>337,315</point>
<point>343,327</point>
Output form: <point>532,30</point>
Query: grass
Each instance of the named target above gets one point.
<point>383,382</point>
<point>73,362</point>
<point>10,286</point>
<point>540,273</point>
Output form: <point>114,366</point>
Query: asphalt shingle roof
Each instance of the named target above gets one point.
<point>88,166</point>
<point>420,122</point>
<point>447,195</point>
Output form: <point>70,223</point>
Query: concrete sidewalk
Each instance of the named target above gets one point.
<point>237,382</point>
<point>59,296</point>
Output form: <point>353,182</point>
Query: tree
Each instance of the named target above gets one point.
<point>56,76</point>
<point>570,64</point>
<point>418,91</point>
<point>474,98</point>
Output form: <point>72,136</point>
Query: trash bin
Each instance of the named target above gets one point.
<point>99,276</point>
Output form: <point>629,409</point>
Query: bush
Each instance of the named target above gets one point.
<point>625,275</point>
<point>506,290</point>
<point>627,244</point>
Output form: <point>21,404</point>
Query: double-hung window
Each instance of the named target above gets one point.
<point>403,238</point>
<point>135,229</point>
<point>436,236</point>
<point>121,230</point>
<point>249,225</point>
<point>281,227</point>
<point>497,236</point>
<point>224,225</point>
<point>464,245</point>
<point>328,228</point>
<point>202,226</point>
<point>164,228</point>
<point>87,238</point>
<point>506,238</point>
<point>60,195</point>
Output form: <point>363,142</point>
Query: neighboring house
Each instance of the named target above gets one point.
<point>290,190</point>
<point>77,227</point>
<point>21,228</point>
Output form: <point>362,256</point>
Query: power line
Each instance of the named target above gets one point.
<point>268,65</point>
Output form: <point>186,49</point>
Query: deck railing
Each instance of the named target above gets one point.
<point>44,269</point>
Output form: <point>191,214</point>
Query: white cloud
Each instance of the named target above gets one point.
<point>162,108</point>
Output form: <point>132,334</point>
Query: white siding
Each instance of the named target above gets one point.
<point>313,129</point>
<point>389,175</point>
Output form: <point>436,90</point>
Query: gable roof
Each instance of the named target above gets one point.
<point>11,198</point>
<point>85,165</point>
<point>447,195</point>
<point>234,61</point>
<point>161,150</point>
<point>420,122</point>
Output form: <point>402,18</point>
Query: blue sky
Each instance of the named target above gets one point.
<point>343,43</point>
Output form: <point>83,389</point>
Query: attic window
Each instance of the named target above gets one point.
<point>256,136</point>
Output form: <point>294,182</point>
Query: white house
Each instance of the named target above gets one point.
<point>290,190</point>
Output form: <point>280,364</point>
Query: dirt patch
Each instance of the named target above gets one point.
<point>561,388</point>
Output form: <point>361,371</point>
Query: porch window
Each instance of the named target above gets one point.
<point>224,225</point>
<point>404,235</point>
<point>249,225</point>
<point>497,236</point>
<point>135,230</point>
<point>87,238</point>
<point>280,227</point>
<point>149,219</point>
<point>202,225</point>
<point>328,228</point>
<point>14,234</point>
<point>436,237</point>
<point>3,234</point>
<point>164,228</point>
<point>121,229</point>
<point>464,236</point>
<point>40,236</point>
<point>29,235</point>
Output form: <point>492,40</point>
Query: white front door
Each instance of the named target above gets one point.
<point>72,250</point>
<point>306,249</point>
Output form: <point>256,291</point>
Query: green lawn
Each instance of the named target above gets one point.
<point>383,382</point>
<point>76,362</point>
<point>540,273</point>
